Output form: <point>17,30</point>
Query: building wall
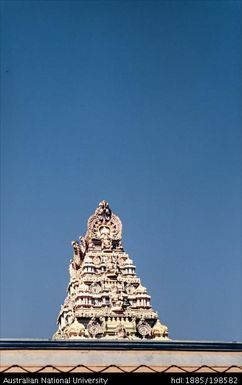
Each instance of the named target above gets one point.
<point>94,356</point>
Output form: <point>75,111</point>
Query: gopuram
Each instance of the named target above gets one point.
<point>105,298</point>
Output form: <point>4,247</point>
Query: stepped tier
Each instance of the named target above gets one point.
<point>105,297</point>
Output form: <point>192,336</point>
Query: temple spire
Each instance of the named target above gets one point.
<point>105,297</point>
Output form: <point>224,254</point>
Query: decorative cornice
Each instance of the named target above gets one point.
<point>9,344</point>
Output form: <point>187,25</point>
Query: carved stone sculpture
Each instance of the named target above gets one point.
<point>105,297</point>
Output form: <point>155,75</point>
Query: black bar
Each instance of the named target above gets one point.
<point>122,378</point>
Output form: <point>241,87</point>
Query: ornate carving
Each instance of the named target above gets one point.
<point>96,260</point>
<point>121,332</point>
<point>94,328</point>
<point>103,211</point>
<point>130,288</point>
<point>79,250</point>
<point>144,328</point>
<point>159,330</point>
<point>76,329</point>
<point>105,297</point>
<point>95,288</point>
<point>104,229</point>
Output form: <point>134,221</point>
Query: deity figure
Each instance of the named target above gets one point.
<point>116,299</point>
<point>104,234</point>
<point>79,253</point>
<point>121,332</point>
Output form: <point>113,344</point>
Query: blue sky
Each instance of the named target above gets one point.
<point>139,103</point>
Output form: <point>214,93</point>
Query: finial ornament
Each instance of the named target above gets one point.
<point>105,297</point>
<point>104,229</point>
<point>103,211</point>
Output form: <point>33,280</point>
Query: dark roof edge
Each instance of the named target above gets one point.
<point>14,344</point>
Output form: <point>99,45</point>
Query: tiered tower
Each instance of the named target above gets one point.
<point>105,297</point>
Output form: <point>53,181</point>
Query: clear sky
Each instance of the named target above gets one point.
<point>139,103</point>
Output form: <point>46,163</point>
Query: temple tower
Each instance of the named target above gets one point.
<point>105,297</point>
